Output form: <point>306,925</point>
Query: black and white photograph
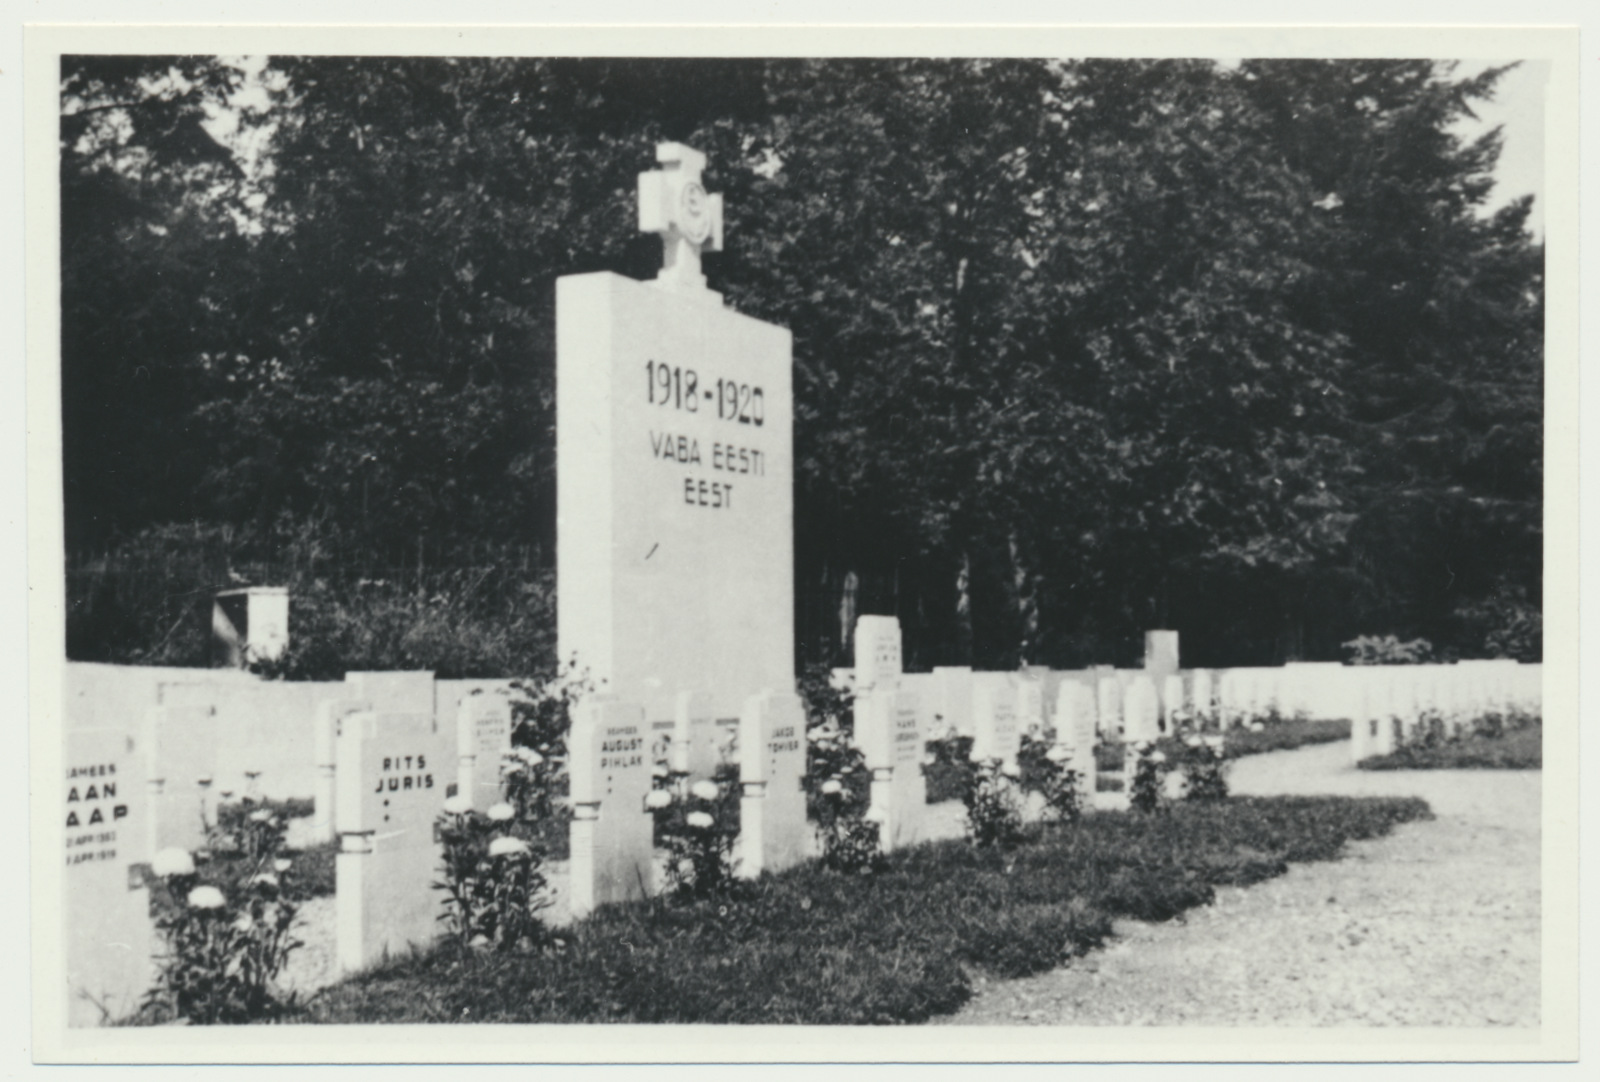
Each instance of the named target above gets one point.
<point>1030,532</point>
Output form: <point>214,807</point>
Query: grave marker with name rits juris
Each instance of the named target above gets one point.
<point>392,773</point>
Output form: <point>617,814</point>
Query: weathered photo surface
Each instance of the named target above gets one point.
<point>1052,537</point>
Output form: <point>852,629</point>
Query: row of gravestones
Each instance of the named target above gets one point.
<point>386,773</point>
<point>1396,701</point>
<point>1382,702</point>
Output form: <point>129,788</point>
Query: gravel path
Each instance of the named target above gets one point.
<point>1435,924</point>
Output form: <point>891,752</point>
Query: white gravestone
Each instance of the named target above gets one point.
<point>1108,702</point>
<point>612,850</point>
<point>1173,711</point>
<point>392,774</point>
<point>1381,707</point>
<point>1141,711</point>
<point>1160,653</point>
<point>675,503</point>
<point>1201,696</point>
<point>106,906</point>
<point>1030,705</point>
<point>1075,717</point>
<point>994,722</point>
<point>325,754</point>
<point>693,749</point>
<point>393,692</point>
<point>878,661</point>
<point>773,834</point>
<point>890,735</point>
<point>483,739</point>
<point>180,745</point>
<point>953,701</point>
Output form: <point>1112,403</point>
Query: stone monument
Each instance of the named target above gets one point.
<point>675,504</point>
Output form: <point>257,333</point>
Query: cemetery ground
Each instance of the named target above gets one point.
<point>1377,912</point>
<point>1434,924</point>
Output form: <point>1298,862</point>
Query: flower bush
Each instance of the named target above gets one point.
<point>990,795</point>
<point>222,959</point>
<point>1045,771</point>
<point>851,842</point>
<point>493,880</point>
<point>696,826</point>
<point>541,718</point>
<point>1149,773</point>
<point>831,756</point>
<point>947,764</point>
<point>1203,761</point>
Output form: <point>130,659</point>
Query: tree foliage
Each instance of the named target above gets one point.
<point>1081,347</point>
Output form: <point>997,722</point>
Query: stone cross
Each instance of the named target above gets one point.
<point>673,203</point>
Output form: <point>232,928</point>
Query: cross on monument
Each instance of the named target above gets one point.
<point>673,203</point>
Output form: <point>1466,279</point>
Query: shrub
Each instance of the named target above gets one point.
<point>850,837</point>
<point>1203,761</point>
<point>222,959</point>
<point>697,826</point>
<point>946,763</point>
<point>1149,771</point>
<point>994,815</point>
<point>1045,771</point>
<point>1388,650</point>
<point>831,755</point>
<point>493,880</point>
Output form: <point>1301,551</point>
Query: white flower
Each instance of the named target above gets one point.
<point>458,805</point>
<point>500,812</point>
<point>1057,754</point>
<point>705,790</point>
<point>243,922</point>
<point>1010,770</point>
<point>282,864</point>
<point>261,815</point>
<point>699,820</point>
<point>657,798</point>
<point>265,878</point>
<point>206,897</point>
<point>1214,742</point>
<point>1158,756</point>
<point>172,862</point>
<point>529,756</point>
<point>831,786</point>
<point>658,771</point>
<point>1256,726</point>
<point>505,847</point>
<point>930,759</point>
<point>876,815</point>
<point>1193,740</point>
<point>479,942</point>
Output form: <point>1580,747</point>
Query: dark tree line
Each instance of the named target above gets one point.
<point>1081,347</point>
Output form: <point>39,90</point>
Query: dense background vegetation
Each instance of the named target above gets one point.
<point>1081,348</point>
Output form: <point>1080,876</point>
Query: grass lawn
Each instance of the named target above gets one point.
<point>1518,749</point>
<point>810,946</point>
